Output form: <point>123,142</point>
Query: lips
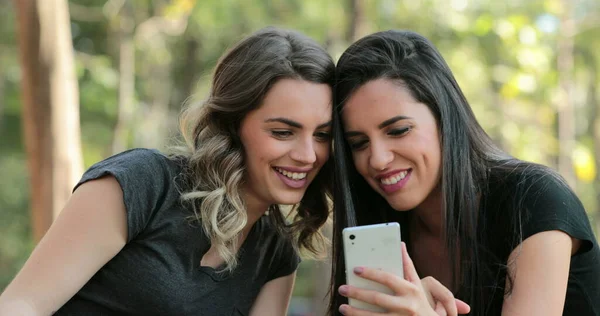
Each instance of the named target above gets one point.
<point>393,181</point>
<point>292,177</point>
<point>291,174</point>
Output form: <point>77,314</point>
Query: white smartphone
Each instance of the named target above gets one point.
<point>375,246</point>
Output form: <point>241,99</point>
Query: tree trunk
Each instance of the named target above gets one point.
<point>356,27</point>
<point>157,118</point>
<point>126,80</point>
<point>566,109</point>
<point>156,124</point>
<point>2,101</point>
<point>190,70</point>
<point>50,107</point>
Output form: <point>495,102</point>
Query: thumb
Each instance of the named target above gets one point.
<point>410,272</point>
<point>462,307</point>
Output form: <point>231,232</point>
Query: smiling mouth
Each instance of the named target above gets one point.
<point>394,179</point>
<point>292,175</point>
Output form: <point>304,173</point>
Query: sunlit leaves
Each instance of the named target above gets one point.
<point>177,8</point>
<point>483,25</point>
<point>584,164</point>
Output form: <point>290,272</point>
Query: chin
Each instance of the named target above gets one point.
<point>288,199</point>
<point>402,206</point>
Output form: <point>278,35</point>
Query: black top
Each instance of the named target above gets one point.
<point>158,271</point>
<point>547,204</point>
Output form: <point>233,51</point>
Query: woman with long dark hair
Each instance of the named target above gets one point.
<point>506,236</point>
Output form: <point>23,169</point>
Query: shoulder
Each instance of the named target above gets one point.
<point>534,199</point>
<point>135,166</point>
<point>532,186</point>
<point>541,191</point>
<point>147,178</point>
<point>138,159</point>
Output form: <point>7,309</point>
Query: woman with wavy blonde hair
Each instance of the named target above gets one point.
<point>124,243</point>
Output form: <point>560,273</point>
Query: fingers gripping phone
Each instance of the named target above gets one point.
<point>375,246</point>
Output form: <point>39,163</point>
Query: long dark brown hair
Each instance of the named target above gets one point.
<point>469,160</point>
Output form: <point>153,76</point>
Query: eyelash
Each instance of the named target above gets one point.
<point>358,145</point>
<point>399,132</point>
<point>284,134</point>
<point>323,136</point>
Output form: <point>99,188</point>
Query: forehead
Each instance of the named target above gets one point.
<point>297,99</point>
<point>378,100</point>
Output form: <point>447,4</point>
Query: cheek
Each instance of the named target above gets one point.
<point>431,151</point>
<point>360,162</point>
<point>260,151</point>
<point>322,151</point>
<point>268,152</point>
<point>251,160</point>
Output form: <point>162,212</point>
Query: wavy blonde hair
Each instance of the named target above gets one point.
<point>214,154</point>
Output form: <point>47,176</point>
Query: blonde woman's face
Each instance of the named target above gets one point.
<point>286,141</point>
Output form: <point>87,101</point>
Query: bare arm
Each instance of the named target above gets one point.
<point>274,297</point>
<point>91,229</point>
<point>540,270</point>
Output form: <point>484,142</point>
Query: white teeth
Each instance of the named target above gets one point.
<point>292,175</point>
<point>394,179</point>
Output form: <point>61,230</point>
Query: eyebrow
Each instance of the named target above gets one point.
<point>293,123</point>
<point>392,120</point>
<point>384,124</point>
<point>324,125</point>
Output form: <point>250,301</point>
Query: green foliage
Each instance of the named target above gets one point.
<point>15,243</point>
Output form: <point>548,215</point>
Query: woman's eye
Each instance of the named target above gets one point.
<point>281,133</point>
<point>357,145</point>
<point>399,131</point>
<point>323,136</point>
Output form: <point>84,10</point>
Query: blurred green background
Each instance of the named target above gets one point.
<point>525,66</point>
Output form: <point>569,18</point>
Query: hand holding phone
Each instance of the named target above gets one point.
<point>374,246</point>
<point>380,264</point>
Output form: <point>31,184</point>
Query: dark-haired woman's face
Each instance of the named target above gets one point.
<point>395,143</point>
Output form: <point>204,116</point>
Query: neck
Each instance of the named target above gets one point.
<point>255,208</point>
<point>428,215</point>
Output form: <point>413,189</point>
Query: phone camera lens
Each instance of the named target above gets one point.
<point>352,237</point>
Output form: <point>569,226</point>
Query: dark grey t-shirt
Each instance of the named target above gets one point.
<point>548,205</point>
<point>158,271</point>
